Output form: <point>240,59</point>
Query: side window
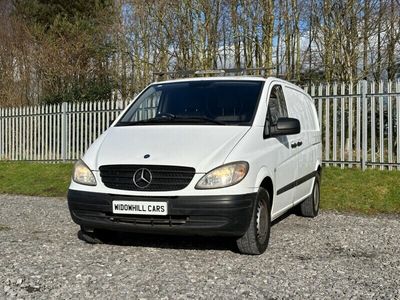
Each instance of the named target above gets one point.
<point>282,102</point>
<point>276,106</point>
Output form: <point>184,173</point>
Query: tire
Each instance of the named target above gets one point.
<point>93,237</point>
<point>255,240</point>
<point>309,208</point>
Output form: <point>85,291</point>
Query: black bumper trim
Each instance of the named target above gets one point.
<point>189,215</point>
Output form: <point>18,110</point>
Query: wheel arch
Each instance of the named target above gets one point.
<point>265,180</point>
<point>269,186</point>
<point>319,169</point>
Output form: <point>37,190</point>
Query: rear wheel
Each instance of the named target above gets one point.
<point>255,240</point>
<point>310,207</point>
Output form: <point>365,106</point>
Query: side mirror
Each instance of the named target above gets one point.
<point>285,126</point>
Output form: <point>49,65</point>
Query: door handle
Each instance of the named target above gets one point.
<point>299,143</point>
<point>293,145</point>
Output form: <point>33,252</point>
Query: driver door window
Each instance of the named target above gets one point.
<point>276,107</point>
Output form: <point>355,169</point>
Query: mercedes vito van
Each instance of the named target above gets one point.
<point>220,156</point>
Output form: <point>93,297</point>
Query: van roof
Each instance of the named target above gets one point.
<point>232,78</point>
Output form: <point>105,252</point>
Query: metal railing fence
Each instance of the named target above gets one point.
<point>360,123</point>
<point>55,132</point>
<point>360,126</point>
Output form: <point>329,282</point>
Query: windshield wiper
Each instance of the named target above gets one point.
<point>170,118</point>
<point>148,121</point>
<point>198,119</point>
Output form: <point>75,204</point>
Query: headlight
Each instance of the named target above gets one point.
<point>82,174</point>
<point>224,176</point>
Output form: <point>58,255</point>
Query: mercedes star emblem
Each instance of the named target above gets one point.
<point>142,178</point>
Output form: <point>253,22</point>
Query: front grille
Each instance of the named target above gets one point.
<point>164,178</point>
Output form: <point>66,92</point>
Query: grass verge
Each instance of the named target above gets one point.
<point>34,179</point>
<point>347,190</point>
<point>368,192</point>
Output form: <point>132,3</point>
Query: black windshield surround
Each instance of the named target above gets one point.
<point>200,102</point>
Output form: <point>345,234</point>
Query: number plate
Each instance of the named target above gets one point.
<point>140,208</point>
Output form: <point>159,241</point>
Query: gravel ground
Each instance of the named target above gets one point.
<point>332,256</point>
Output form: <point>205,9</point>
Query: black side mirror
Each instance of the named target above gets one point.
<point>285,126</point>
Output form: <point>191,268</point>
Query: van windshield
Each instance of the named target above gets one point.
<point>215,102</point>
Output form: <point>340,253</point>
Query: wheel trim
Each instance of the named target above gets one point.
<point>262,221</point>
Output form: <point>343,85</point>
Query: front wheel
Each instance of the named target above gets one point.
<point>255,240</point>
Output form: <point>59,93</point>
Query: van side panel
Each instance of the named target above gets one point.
<point>301,107</point>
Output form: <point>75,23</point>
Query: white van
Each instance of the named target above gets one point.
<point>221,156</point>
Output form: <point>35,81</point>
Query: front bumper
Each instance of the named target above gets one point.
<point>228,215</point>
